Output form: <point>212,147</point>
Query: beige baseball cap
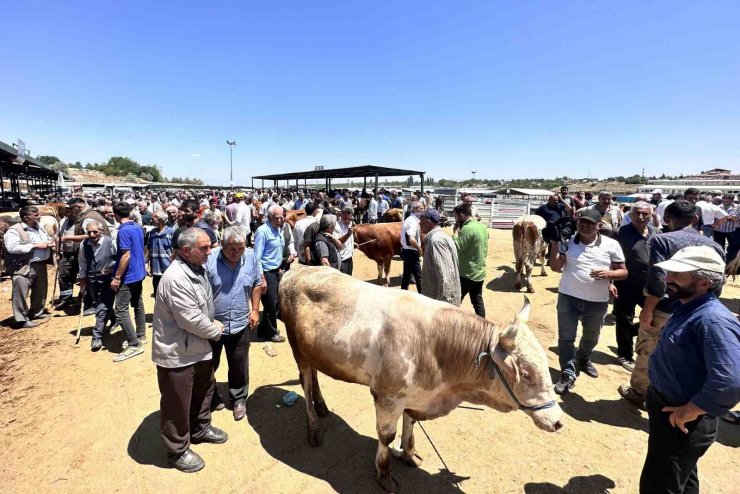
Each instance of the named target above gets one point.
<point>693,258</point>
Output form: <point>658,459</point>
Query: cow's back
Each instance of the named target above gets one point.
<point>352,330</point>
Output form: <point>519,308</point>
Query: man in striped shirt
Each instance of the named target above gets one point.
<point>724,233</point>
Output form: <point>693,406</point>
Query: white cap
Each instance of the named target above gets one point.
<point>657,191</point>
<point>693,258</point>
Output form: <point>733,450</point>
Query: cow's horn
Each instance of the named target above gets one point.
<point>523,314</point>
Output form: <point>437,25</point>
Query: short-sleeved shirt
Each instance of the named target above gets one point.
<point>339,231</point>
<point>232,288</point>
<point>410,228</point>
<point>131,238</point>
<point>576,280</point>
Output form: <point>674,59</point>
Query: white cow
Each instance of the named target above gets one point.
<point>528,246</point>
<point>420,357</point>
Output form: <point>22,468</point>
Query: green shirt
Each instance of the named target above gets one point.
<point>472,250</point>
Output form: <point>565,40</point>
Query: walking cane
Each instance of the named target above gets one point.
<point>56,282</point>
<point>82,313</point>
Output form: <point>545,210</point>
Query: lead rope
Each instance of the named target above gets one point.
<point>452,481</point>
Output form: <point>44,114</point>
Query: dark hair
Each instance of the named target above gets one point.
<point>27,210</point>
<point>681,211</point>
<point>310,208</point>
<point>691,190</point>
<point>122,209</point>
<point>191,204</point>
<point>75,201</point>
<point>464,209</point>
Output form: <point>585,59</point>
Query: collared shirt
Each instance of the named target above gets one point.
<point>636,250</point>
<point>372,210</point>
<point>268,247</point>
<point>160,249</point>
<point>230,211</point>
<point>82,258</point>
<point>729,225</point>
<point>299,232</point>
<point>383,206</point>
<point>472,249</point>
<point>243,215</point>
<point>662,248</point>
<point>35,236</point>
<point>232,288</point>
<point>131,238</point>
<point>410,228</point>
<point>581,258</point>
<point>348,246</point>
<point>698,356</point>
<point>710,212</point>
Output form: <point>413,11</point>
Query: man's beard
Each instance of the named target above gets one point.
<point>680,292</point>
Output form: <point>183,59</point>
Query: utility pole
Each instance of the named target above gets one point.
<point>231,162</point>
<point>474,172</point>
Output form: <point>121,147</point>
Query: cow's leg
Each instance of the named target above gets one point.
<point>380,272</point>
<point>318,399</point>
<point>387,412</point>
<point>519,267</point>
<point>542,262</point>
<point>385,265</point>
<point>529,265</point>
<point>407,442</point>
<point>312,420</point>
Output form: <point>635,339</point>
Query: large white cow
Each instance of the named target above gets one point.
<point>420,357</point>
<point>528,246</point>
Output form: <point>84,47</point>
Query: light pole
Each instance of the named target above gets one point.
<point>231,161</point>
<point>474,172</point>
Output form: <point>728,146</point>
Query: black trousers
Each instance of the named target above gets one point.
<point>475,288</point>
<point>102,299</point>
<point>237,357</point>
<point>155,282</point>
<point>185,405</point>
<point>670,465</point>
<point>68,270</point>
<point>723,239</point>
<point>347,266</point>
<point>629,297</point>
<point>270,307</point>
<point>411,267</point>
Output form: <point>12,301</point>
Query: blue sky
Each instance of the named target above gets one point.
<point>509,89</point>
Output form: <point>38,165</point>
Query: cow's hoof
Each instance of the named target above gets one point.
<point>315,437</point>
<point>544,273</point>
<point>517,286</point>
<point>530,289</point>
<point>388,483</point>
<point>321,409</point>
<point>412,460</point>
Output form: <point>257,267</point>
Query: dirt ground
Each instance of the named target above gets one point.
<point>74,421</point>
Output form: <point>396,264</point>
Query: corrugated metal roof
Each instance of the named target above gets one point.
<point>524,192</point>
<point>348,172</point>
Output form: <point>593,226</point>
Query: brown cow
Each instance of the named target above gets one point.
<point>379,242</point>
<point>294,215</point>
<point>56,209</point>
<point>420,357</point>
<point>528,246</point>
<point>393,215</point>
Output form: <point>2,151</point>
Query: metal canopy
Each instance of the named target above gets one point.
<point>349,172</point>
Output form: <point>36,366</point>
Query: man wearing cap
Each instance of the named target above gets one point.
<point>680,217</point>
<point>694,372</point>
<point>611,215</point>
<point>343,233</point>
<point>589,263</point>
<point>439,270</point>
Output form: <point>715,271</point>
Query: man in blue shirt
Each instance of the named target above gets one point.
<point>159,248</point>
<point>235,280</point>
<point>268,250</point>
<point>694,372</point>
<point>130,271</point>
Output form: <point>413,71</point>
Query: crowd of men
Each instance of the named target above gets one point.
<point>665,255</point>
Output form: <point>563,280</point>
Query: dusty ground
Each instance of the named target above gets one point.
<point>75,421</point>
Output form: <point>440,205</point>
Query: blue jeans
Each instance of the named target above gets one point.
<point>570,311</point>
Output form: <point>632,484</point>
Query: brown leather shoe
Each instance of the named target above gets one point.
<point>240,409</point>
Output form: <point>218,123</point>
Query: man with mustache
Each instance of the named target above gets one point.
<point>694,372</point>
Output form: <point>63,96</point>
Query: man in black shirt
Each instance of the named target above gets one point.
<point>634,239</point>
<point>554,209</point>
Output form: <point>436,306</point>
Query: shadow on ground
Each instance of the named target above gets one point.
<point>504,280</point>
<point>345,459</point>
<point>592,484</point>
<point>617,412</point>
<point>145,446</point>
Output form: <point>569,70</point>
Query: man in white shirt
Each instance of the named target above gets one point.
<point>343,233</point>
<point>710,214</point>
<point>411,248</point>
<point>312,216</point>
<point>383,206</point>
<point>589,262</point>
<point>372,209</point>
<point>28,248</point>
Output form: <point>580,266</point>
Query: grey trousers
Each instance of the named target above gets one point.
<point>130,294</point>
<point>36,281</point>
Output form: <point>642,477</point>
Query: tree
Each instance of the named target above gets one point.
<point>410,181</point>
<point>48,160</point>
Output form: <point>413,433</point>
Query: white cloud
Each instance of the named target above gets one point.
<point>195,155</point>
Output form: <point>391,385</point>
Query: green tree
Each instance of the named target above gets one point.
<point>48,160</point>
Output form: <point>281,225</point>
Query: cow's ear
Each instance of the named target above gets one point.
<point>507,339</point>
<point>506,363</point>
<point>523,314</point>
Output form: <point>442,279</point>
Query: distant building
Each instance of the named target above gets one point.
<point>719,179</point>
